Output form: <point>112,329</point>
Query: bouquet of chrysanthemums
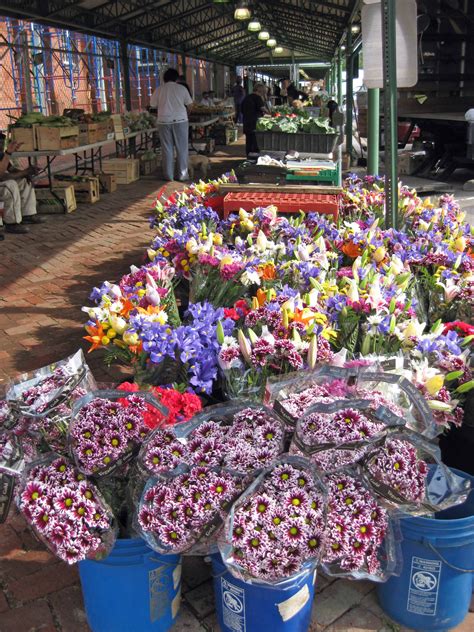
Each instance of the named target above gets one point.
<point>66,510</point>
<point>240,436</point>
<point>182,512</point>
<point>276,529</point>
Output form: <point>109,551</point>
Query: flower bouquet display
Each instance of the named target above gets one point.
<point>66,511</point>
<point>203,466</point>
<point>240,436</point>
<point>276,529</point>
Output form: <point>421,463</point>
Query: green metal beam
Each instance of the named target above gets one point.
<point>373,144</point>
<point>349,92</point>
<point>390,111</point>
<point>339,77</point>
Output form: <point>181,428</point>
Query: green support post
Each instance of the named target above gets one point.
<point>373,145</point>
<point>349,92</point>
<point>339,78</point>
<point>390,112</point>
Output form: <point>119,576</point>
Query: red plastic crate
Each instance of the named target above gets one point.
<point>285,202</point>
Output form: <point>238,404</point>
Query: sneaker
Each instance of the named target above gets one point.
<point>34,219</point>
<point>19,229</point>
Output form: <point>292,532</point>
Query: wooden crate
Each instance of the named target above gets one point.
<point>86,188</point>
<point>102,130</point>
<point>24,135</point>
<point>147,167</point>
<point>90,132</point>
<point>49,201</point>
<point>108,182</point>
<point>117,126</point>
<point>126,170</point>
<point>56,137</point>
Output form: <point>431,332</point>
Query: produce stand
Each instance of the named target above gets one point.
<point>129,146</point>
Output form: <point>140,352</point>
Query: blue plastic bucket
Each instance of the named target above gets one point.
<point>434,589</point>
<point>134,588</point>
<point>253,608</point>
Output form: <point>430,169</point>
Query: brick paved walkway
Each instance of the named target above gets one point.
<point>45,278</point>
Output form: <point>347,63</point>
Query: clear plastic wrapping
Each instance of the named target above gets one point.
<point>407,475</point>
<point>241,436</point>
<point>403,394</point>
<point>39,392</point>
<point>339,434</point>
<point>293,394</point>
<point>276,530</point>
<point>66,510</point>
<point>183,512</point>
<point>361,536</point>
<point>108,428</point>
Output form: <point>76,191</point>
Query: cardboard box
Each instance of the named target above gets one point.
<point>126,170</point>
<point>410,161</point>
<point>24,135</point>
<point>57,200</point>
<point>108,182</point>
<point>55,138</point>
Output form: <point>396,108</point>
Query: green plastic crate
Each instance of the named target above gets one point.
<point>328,175</point>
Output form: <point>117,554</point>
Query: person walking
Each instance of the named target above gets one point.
<point>238,92</point>
<point>253,107</point>
<point>17,193</point>
<point>172,102</point>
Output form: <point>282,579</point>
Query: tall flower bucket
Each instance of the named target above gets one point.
<point>134,588</point>
<point>435,587</point>
<point>254,607</point>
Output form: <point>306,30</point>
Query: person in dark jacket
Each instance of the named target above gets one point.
<point>253,107</point>
<point>238,92</point>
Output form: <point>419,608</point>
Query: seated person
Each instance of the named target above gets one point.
<point>206,101</point>
<point>17,192</point>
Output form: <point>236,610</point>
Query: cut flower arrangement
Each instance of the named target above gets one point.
<point>300,312</point>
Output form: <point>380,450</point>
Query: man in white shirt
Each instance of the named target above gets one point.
<point>172,101</point>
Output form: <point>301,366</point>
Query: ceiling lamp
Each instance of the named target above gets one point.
<point>279,49</point>
<point>242,12</point>
<point>355,28</point>
<point>254,26</point>
<point>264,35</point>
<point>221,1</point>
<point>271,42</point>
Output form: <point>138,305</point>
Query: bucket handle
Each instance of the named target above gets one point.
<point>445,561</point>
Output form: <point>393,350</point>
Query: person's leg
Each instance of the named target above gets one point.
<point>10,196</point>
<point>181,136</point>
<point>28,198</point>
<point>167,151</point>
<point>251,146</point>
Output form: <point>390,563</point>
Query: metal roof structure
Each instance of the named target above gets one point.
<point>307,29</point>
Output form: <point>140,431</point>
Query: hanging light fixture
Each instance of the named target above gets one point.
<point>355,28</point>
<point>254,26</point>
<point>242,12</point>
<point>221,1</point>
<point>264,35</point>
<point>271,42</point>
<point>278,49</point>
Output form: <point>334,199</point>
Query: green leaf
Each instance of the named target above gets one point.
<point>466,387</point>
<point>454,375</point>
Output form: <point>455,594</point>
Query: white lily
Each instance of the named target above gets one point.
<point>353,292</point>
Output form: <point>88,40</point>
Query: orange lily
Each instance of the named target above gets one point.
<point>267,272</point>
<point>299,317</point>
<point>351,250</point>
<point>127,308</point>
<point>151,309</point>
<point>95,336</point>
<point>261,297</point>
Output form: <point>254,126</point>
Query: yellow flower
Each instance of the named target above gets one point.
<point>379,254</point>
<point>105,340</point>
<point>217,239</point>
<point>460,244</point>
<point>434,384</point>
